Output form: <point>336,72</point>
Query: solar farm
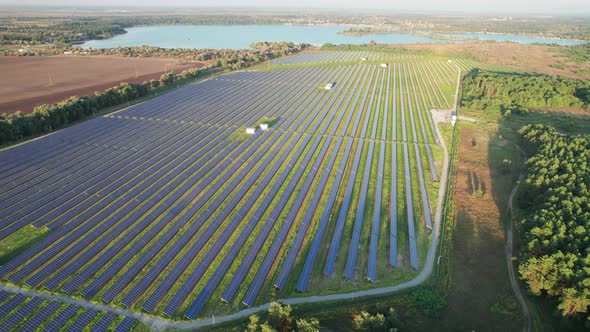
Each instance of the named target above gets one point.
<point>170,208</point>
<point>22,313</point>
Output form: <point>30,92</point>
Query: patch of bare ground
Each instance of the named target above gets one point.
<point>480,279</point>
<point>40,80</point>
<point>526,57</point>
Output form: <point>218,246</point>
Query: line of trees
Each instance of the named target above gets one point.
<point>518,92</point>
<point>78,29</point>
<point>556,229</point>
<point>47,118</point>
<point>279,319</point>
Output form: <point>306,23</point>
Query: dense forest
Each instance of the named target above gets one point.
<point>518,92</point>
<point>47,118</point>
<point>556,230</point>
<point>541,26</point>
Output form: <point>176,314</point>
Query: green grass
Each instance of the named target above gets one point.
<point>443,270</point>
<point>20,241</point>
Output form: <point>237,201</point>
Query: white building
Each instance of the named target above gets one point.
<point>450,61</point>
<point>453,118</point>
<point>384,65</point>
<point>329,86</point>
<point>363,59</point>
<point>264,126</point>
<point>250,131</point>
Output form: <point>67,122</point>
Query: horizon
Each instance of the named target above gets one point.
<point>574,8</point>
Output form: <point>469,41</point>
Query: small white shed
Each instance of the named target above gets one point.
<point>264,126</point>
<point>450,61</point>
<point>384,65</point>
<point>329,86</point>
<point>250,131</point>
<point>453,118</point>
<point>363,59</point>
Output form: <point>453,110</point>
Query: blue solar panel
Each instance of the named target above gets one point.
<point>393,186</point>
<point>40,317</point>
<point>61,319</point>
<point>20,314</point>
<point>104,322</point>
<point>11,304</point>
<point>126,325</point>
<point>360,211</point>
<point>408,191</point>
<point>315,246</point>
<point>82,321</point>
<point>337,236</point>
<point>108,195</point>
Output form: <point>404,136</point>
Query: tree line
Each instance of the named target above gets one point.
<point>47,118</point>
<point>520,92</point>
<point>279,318</point>
<point>260,51</point>
<point>78,29</point>
<point>556,230</point>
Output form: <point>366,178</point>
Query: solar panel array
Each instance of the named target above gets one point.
<point>343,56</point>
<point>168,205</point>
<point>22,313</point>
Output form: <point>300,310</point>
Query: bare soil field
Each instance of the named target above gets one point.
<point>527,57</point>
<point>37,80</point>
<point>480,298</point>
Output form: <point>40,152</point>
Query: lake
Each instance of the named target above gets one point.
<point>241,36</point>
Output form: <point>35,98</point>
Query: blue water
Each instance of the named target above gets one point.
<point>241,36</point>
<point>513,38</point>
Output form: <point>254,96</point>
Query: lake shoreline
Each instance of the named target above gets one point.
<point>241,36</point>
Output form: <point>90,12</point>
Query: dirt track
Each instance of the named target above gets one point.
<point>32,81</point>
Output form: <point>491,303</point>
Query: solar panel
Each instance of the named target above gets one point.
<point>82,321</point>
<point>40,317</point>
<point>104,322</point>
<point>61,319</point>
<point>126,325</point>
<point>20,314</point>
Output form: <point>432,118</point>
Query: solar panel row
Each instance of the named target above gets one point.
<point>393,215</point>
<point>375,226</point>
<point>13,319</point>
<point>337,236</point>
<point>285,227</point>
<point>360,210</point>
<point>40,317</point>
<point>20,313</point>
<point>159,189</point>
<point>159,292</point>
<point>232,287</point>
<point>303,229</point>
<point>414,263</point>
<point>204,294</point>
<point>318,237</point>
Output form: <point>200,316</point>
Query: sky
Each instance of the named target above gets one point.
<point>548,7</point>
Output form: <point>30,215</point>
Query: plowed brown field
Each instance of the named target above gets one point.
<point>31,81</point>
